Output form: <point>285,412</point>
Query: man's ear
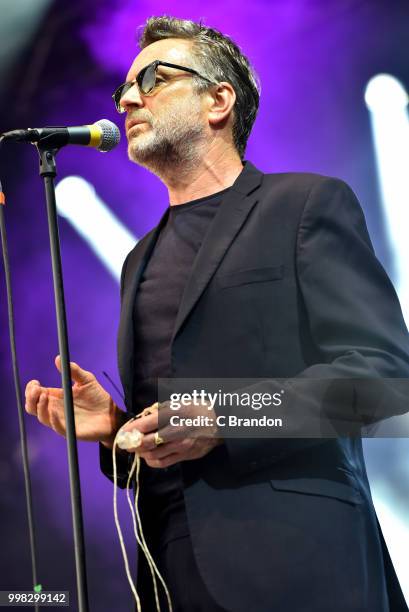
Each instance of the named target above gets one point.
<point>221,103</point>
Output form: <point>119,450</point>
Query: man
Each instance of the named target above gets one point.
<point>246,276</point>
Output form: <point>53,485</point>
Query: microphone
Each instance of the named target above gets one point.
<point>102,135</point>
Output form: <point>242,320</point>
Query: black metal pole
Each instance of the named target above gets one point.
<point>48,171</point>
<point>20,409</point>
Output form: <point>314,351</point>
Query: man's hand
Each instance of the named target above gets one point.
<point>97,418</point>
<point>182,441</point>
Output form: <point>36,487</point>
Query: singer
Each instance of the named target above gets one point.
<point>246,275</point>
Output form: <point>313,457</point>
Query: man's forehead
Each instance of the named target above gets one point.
<point>172,50</point>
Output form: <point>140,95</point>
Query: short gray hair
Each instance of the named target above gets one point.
<point>221,60</point>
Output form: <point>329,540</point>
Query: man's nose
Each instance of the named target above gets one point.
<point>131,98</point>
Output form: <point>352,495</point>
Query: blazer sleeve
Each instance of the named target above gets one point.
<point>355,322</point>
<point>123,460</point>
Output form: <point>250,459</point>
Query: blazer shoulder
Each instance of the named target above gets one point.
<point>296,189</point>
<point>301,182</point>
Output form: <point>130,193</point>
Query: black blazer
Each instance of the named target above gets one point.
<point>285,284</point>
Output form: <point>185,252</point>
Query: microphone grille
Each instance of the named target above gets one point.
<point>110,135</point>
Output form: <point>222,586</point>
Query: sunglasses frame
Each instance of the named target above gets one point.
<point>122,89</point>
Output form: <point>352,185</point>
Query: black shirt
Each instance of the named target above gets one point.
<point>156,306</point>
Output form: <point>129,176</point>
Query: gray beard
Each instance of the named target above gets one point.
<point>176,145</point>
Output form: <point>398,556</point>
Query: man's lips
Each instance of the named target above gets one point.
<point>134,123</point>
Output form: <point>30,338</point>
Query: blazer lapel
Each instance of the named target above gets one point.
<point>232,213</point>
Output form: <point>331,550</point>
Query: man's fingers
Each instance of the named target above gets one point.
<point>144,424</point>
<point>148,449</point>
<point>56,392</point>
<point>33,392</point>
<point>147,443</point>
<point>77,374</point>
<point>57,423</point>
<point>164,462</point>
<point>38,401</point>
<point>32,383</point>
<point>42,409</point>
<point>161,451</point>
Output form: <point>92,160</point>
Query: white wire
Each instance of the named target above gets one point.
<point>136,520</point>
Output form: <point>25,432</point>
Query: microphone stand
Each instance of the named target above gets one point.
<point>48,171</point>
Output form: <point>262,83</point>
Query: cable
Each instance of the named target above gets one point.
<point>113,384</point>
<point>17,386</point>
<point>137,524</point>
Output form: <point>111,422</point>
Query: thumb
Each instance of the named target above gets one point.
<point>77,374</point>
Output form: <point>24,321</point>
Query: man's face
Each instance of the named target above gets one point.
<point>172,118</point>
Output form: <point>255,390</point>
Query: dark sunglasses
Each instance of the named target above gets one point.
<point>146,80</point>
